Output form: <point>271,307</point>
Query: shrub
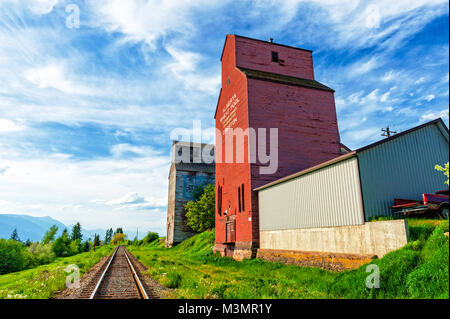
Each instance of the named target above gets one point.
<point>118,238</point>
<point>12,256</point>
<point>172,279</point>
<point>76,246</point>
<point>150,237</point>
<point>444,226</point>
<point>431,279</point>
<point>39,254</point>
<point>394,269</point>
<point>421,232</point>
<point>434,243</point>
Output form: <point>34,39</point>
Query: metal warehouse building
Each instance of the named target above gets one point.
<point>353,188</point>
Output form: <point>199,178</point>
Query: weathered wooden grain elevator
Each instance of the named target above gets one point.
<point>192,165</point>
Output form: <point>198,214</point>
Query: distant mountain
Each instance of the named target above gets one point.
<point>34,228</point>
<point>28,227</point>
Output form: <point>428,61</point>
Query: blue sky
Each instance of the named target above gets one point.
<point>86,113</point>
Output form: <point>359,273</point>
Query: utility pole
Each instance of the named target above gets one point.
<point>387,132</point>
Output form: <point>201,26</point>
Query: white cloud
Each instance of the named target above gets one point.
<point>121,149</point>
<point>362,67</point>
<point>8,126</point>
<point>135,201</point>
<point>147,20</point>
<point>420,80</point>
<point>3,170</point>
<point>429,97</point>
<point>434,115</point>
<point>390,22</point>
<point>372,96</point>
<point>388,76</point>
<point>131,198</point>
<point>184,68</point>
<point>85,190</point>
<point>41,6</point>
<point>361,136</point>
<point>54,76</point>
<point>386,95</point>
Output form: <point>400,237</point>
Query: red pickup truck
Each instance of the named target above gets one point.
<point>431,204</point>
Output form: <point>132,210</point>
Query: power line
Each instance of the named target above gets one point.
<point>387,132</point>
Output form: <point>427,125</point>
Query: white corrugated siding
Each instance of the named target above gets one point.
<point>330,196</point>
<point>402,168</point>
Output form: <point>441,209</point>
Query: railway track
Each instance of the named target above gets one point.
<point>117,279</point>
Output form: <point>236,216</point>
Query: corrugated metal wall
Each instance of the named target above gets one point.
<point>402,168</point>
<point>330,196</point>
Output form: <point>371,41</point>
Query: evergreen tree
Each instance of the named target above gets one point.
<point>50,235</point>
<point>96,241</point>
<point>119,231</point>
<point>76,232</point>
<point>87,246</point>
<point>15,236</point>
<point>108,236</point>
<point>28,243</point>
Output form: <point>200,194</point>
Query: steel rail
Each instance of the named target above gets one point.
<point>136,277</point>
<point>103,275</point>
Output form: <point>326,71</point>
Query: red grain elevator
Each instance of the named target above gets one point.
<point>265,86</point>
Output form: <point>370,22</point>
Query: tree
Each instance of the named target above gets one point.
<point>108,236</point>
<point>96,241</point>
<point>12,257</point>
<point>200,213</point>
<point>118,238</point>
<point>76,232</point>
<point>150,237</point>
<point>61,246</point>
<point>15,236</point>
<point>443,169</point>
<point>198,192</point>
<point>87,246</point>
<point>50,235</point>
<point>119,231</point>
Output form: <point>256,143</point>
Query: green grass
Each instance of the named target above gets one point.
<point>44,281</point>
<point>418,270</point>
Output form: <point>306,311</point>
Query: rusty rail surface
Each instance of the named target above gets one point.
<point>117,279</point>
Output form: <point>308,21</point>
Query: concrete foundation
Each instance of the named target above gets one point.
<point>372,238</point>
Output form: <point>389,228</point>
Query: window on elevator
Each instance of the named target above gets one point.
<point>219,201</point>
<point>239,198</point>
<point>242,198</point>
<point>274,56</point>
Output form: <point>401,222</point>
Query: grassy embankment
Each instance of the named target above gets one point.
<point>418,270</point>
<point>44,281</point>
